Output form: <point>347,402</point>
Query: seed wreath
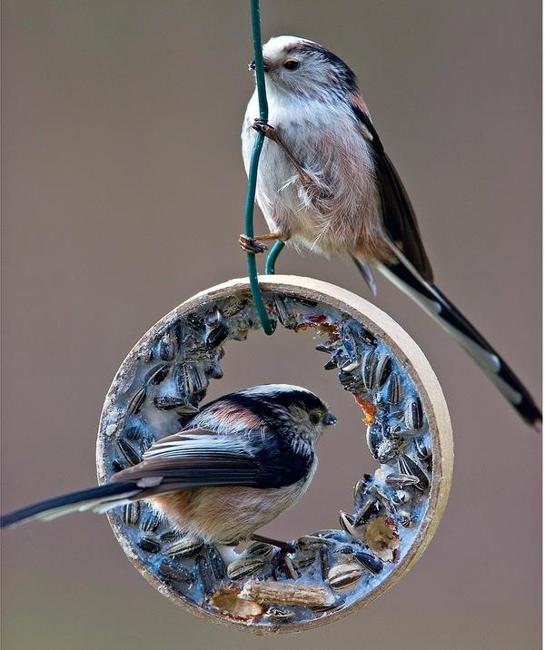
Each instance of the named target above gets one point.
<point>395,511</point>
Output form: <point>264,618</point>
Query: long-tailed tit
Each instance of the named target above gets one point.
<point>241,461</point>
<point>326,184</point>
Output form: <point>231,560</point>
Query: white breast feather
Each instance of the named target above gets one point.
<point>324,137</point>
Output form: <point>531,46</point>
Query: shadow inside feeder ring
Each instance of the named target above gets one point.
<point>395,510</point>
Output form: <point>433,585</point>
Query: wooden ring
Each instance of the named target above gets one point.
<point>396,510</point>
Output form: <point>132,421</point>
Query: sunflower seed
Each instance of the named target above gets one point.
<point>213,317</point>
<point>408,466</point>
<point>206,574</point>
<point>246,566</point>
<point>131,513</point>
<point>422,449</point>
<point>370,562</point>
<point>401,480</point>
<point>344,576</point>
<point>157,375</point>
<point>369,509</point>
<point>407,434</point>
<point>414,417</point>
<point>136,402</point>
<point>346,521</point>
<point>173,403</point>
<point>321,347</point>
<point>362,485</point>
<point>375,369</point>
<point>261,550</point>
<point>350,366</point>
<point>173,571</point>
<point>393,393</point>
<point>191,379</point>
<point>216,335</point>
<point>149,544</point>
<point>383,371</point>
<point>129,452</point>
<point>185,547</point>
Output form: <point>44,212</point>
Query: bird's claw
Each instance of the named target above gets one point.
<point>287,547</point>
<point>261,126</point>
<point>251,245</point>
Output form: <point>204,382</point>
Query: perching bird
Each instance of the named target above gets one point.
<point>241,461</point>
<point>326,184</point>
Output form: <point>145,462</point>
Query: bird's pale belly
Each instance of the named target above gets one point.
<point>227,514</point>
<point>341,217</point>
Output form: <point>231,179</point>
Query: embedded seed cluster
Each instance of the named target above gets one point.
<point>160,387</point>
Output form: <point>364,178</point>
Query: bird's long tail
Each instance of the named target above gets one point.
<point>99,499</point>
<point>438,306</point>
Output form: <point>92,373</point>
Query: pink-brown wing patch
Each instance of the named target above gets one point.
<point>230,413</point>
<point>358,101</point>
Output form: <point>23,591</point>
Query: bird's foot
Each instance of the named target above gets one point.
<point>282,558</point>
<point>285,547</point>
<point>251,245</point>
<point>261,126</point>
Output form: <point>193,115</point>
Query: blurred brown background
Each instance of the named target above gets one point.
<point>123,197</point>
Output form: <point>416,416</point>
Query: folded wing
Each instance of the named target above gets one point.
<point>199,458</point>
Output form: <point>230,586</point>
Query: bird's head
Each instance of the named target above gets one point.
<point>295,409</point>
<point>298,66</point>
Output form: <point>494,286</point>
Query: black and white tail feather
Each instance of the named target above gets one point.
<point>410,270</point>
<point>439,307</point>
<point>97,499</point>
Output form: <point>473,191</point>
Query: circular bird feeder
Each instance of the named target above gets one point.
<point>396,509</point>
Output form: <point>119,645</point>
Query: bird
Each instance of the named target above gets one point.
<point>243,459</point>
<point>325,184</point>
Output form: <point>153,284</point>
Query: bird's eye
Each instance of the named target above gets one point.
<point>291,64</point>
<point>314,417</point>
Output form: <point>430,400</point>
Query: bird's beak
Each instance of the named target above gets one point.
<point>329,419</point>
<point>266,66</point>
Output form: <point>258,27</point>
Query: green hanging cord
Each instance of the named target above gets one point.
<point>272,257</point>
<point>267,324</point>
